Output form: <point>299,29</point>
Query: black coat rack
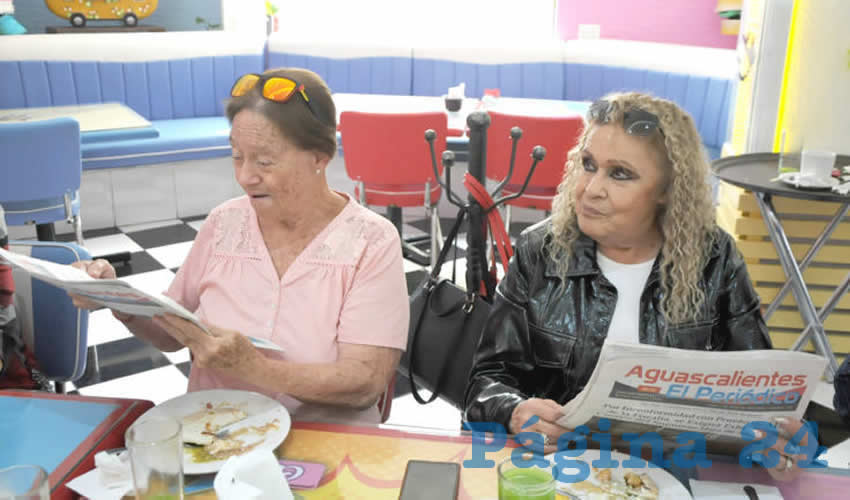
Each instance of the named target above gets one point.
<point>477,233</point>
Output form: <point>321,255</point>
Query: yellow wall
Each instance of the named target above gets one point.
<point>814,108</point>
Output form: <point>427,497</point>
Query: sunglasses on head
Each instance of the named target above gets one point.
<point>635,121</point>
<point>275,88</point>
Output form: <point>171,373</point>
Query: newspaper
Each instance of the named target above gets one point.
<point>115,294</point>
<point>641,388</point>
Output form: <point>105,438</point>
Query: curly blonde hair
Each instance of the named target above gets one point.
<point>686,221</point>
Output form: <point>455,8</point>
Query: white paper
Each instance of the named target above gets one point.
<point>115,294</point>
<point>254,476</point>
<point>716,490</point>
<point>89,486</point>
<point>457,92</point>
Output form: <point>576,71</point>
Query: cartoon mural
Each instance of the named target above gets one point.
<point>78,12</point>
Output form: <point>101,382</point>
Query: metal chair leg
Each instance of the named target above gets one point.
<point>361,189</point>
<point>78,229</point>
<point>436,235</point>
<point>508,219</point>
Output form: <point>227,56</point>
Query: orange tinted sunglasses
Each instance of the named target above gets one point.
<point>275,88</point>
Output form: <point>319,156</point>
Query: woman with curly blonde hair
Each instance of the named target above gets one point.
<point>631,253</point>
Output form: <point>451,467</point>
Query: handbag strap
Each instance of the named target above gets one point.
<point>447,244</point>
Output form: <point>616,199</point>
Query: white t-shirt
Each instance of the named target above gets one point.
<point>629,280</point>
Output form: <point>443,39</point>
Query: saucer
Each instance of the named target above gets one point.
<point>794,179</point>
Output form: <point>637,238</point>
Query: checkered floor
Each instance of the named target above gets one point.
<point>122,365</point>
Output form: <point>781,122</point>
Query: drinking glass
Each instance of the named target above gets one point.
<point>156,458</point>
<point>531,483</point>
<point>24,482</point>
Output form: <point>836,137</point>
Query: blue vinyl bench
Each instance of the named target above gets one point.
<point>180,82</point>
<point>699,79</point>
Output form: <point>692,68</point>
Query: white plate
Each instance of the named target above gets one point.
<point>249,402</point>
<point>669,488</point>
<point>794,179</point>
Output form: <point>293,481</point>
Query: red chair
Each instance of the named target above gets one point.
<point>557,134</point>
<point>388,157</point>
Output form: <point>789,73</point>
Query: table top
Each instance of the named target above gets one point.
<point>758,171</point>
<point>369,462</point>
<point>98,122</point>
<point>61,432</point>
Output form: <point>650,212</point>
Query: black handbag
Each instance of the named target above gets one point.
<point>445,325</point>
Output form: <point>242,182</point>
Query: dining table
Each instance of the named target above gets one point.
<point>61,432</point>
<point>360,461</point>
<point>99,122</point>
<point>369,461</point>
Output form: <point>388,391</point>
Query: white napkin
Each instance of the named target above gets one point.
<point>110,479</point>
<point>717,490</point>
<point>458,91</point>
<point>254,476</point>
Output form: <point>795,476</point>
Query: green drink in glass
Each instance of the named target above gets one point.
<point>532,483</point>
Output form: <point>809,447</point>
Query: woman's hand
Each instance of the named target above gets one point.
<point>791,453</point>
<point>547,412</point>
<point>99,269</point>
<point>221,350</point>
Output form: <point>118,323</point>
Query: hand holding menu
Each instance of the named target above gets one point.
<point>115,294</point>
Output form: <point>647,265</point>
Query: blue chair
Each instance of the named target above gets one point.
<point>56,331</point>
<point>42,169</point>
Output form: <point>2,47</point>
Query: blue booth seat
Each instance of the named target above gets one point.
<point>178,81</point>
<point>181,82</point>
<point>178,140</point>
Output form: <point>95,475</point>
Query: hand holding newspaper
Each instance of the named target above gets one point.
<point>643,388</point>
<point>115,294</point>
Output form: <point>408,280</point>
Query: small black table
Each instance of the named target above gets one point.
<point>757,172</point>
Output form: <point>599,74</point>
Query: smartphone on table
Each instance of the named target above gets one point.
<point>425,480</point>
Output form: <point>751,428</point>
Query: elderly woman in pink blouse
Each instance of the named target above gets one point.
<point>293,262</point>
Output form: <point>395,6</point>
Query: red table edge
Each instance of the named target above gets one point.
<point>102,437</point>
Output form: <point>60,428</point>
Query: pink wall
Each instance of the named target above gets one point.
<point>688,22</point>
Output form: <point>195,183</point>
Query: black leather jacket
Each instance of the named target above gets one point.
<point>544,335</point>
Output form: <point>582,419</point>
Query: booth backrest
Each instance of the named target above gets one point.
<point>166,76</point>
<point>698,79</point>
<point>160,75</point>
<point>532,71</point>
<point>347,67</point>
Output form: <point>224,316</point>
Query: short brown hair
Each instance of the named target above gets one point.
<point>294,120</point>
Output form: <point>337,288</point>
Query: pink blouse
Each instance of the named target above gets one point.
<point>347,285</point>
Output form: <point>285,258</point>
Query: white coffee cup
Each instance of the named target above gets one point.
<point>817,164</point>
